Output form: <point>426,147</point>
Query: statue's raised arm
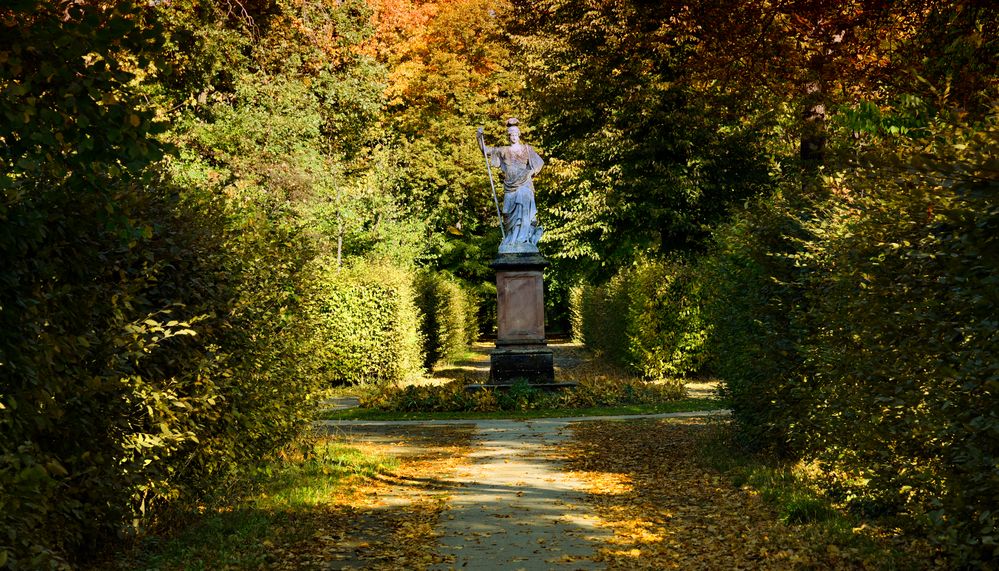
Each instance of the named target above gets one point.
<point>480,137</point>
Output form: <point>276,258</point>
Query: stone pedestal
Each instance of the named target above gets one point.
<point>521,351</point>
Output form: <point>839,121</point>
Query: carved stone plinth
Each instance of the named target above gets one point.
<point>521,350</point>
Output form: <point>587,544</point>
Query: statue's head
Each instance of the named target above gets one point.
<point>512,130</point>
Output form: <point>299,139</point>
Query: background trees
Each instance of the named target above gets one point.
<point>646,157</point>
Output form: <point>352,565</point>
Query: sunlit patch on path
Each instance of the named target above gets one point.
<point>515,508</point>
<point>667,511</point>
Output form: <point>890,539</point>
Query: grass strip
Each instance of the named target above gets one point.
<point>287,506</point>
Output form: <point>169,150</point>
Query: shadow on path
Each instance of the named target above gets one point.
<point>516,508</point>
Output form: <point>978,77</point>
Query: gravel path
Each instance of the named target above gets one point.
<point>512,506</point>
<point>515,508</point>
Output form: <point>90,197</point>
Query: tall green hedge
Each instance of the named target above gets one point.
<point>365,324</point>
<point>599,318</point>
<point>449,317</point>
<point>752,296</point>
<point>904,343</point>
<point>151,334</point>
<point>647,318</point>
<point>863,331</point>
<point>140,370</point>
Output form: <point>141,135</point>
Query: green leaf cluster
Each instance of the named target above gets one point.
<point>365,326</point>
<point>643,158</point>
<point>859,331</point>
<point>449,317</point>
<point>902,301</point>
<point>646,318</point>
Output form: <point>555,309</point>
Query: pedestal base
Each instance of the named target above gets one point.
<point>508,365</point>
<point>521,352</point>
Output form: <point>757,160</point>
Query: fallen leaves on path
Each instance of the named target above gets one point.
<point>387,522</point>
<point>668,511</point>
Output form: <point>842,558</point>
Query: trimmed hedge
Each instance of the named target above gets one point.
<point>904,339</point>
<point>591,391</point>
<point>449,317</point>
<point>138,371</point>
<point>753,298</point>
<point>150,335</point>
<point>645,318</point>
<point>365,324</point>
<point>863,331</point>
<point>854,326</point>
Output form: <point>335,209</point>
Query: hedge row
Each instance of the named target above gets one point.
<point>366,325</point>
<point>449,317</point>
<point>859,331</point>
<point>137,369</point>
<point>375,323</point>
<point>643,319</point>
<point>854,326</point>
<point>164,322</point>
<point>589,392</point>
<point>176,366</point>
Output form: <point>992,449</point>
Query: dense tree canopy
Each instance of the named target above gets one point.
<point>663,116</point>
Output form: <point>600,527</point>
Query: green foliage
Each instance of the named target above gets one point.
<point>154,343</point>
<point>752,298</point>
<point>599,318</point>
<point>365,324</point>
<point>862,331</point>
<point>74,286</point>
<point>449,70</point>
<point>666,335</point>
<point>165,368</point>
<point>642,158</point>
<point>449,317</point>
<point>903,297</point>
<point>69,115</point>
<point>646,318</point>
<point>590,392</point>
<point>163,324</point>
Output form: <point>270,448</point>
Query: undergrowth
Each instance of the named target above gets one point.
<point>522,396</point>
<point>248,532</point>
<point>793,489</point>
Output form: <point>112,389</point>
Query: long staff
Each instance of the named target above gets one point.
<point>492,185</point>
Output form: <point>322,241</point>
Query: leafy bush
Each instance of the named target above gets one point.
<point>903,295</point>
<point>666,333</point>
<point>151,336</point>
<point>862,330</point>
<point>365,325</point>
<point>599,318</point>
<point>144,372</point>
<point>751,295</point>
<point>646,318</point>
<point>449,317</point>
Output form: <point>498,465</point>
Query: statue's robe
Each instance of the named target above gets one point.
<point>520,214</point>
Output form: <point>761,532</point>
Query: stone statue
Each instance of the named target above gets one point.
<point>519,163</point>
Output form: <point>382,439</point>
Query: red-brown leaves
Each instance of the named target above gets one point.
<point>668,511</point>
